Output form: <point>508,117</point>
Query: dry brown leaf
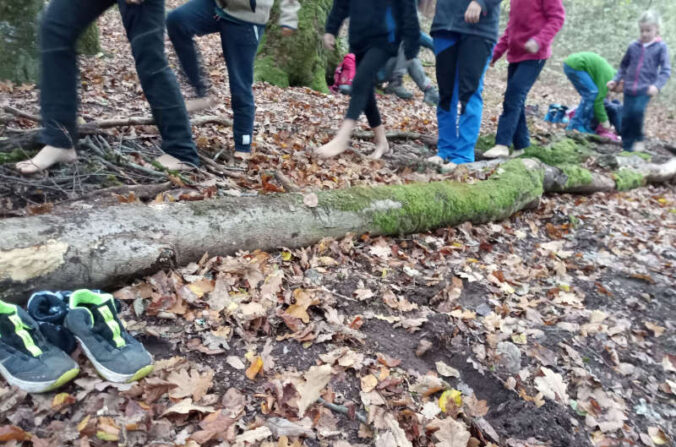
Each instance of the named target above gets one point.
<point>190,383</point>
<point>185,407</point>
<point>12,433</point>
<point>552,386</point>
<point>303,300</point>
<point>255,368</point>
<point>399,434</point>
<point>450,433</point>
<point>368,383</point>
<point>316,378</point>
<point>446,371</point>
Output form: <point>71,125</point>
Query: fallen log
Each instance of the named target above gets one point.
<point>105,247</point>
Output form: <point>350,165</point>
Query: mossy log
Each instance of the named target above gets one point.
<point>104,247</point>
<point>18,40</point>
<point>298,59</point>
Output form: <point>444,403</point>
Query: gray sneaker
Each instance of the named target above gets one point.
<point>431,96</point>
<point>27,360</point>
<point>399,90</point>
<point>115,354</point>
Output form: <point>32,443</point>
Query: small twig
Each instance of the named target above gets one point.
<point>343,410</point>
<point>220,169</point>
<point>286,182</point>
<point>345,297</point>
<point>22,114</point>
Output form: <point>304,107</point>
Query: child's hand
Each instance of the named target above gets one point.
<point>652,91</point>
<point>329,41</point>
<point>532,46</point>
<point>473,13</point>
<point>612,85</point>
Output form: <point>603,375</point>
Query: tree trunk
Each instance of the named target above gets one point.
<point>18,40</point>
<point>88,43</point>
<point>104,247</point>
<point>299,59</point>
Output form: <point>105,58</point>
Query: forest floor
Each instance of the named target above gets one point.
<point>552,328</point>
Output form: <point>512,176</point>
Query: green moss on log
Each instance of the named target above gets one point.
<point>626,179</point>
<point>577,175</point>
<point>563,152</point>
<point>404,209</point>
<point>18,40</point>
<point>484,143</point>
<point>299,59</point>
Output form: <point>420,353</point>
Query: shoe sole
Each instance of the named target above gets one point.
<point>111,375</point>
<point>39,387</point>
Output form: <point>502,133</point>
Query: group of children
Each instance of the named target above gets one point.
<point>465,43</point>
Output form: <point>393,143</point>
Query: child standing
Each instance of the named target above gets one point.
<point>644,70</point>
<point>589,74</point>
<point>377,27</point>
<point>464,33</point>
<point>527,41</point>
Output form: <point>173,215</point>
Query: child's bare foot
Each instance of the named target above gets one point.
<point>332,148</point>
<point>197,104</point>
<point>339,143</point>
<point>172,163</point>
<point>382,147</point>
<point>46,158</point>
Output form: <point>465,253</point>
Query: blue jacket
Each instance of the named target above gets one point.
<point>381,23</point>
<point>643,66</point>
<point>450,16</point>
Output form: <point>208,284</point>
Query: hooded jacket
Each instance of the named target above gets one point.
<point>258,11</point>
<point>450,16</point>
<point>643,66</point>
<point>382,23</point>
<point>530,19</point>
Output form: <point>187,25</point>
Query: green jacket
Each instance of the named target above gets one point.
<point>258,11</point>
<point>600,71</point>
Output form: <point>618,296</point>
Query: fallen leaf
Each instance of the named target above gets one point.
<point>450,433</point>
<point>107,429</point>
<point>255,368</point>
<point>657,330</point>
<point>12,433</point>
<point>452,396</point>
<point>190,383</point>
<point>657,436</point>
<point>255,435</point>
<point>368,383</point>
<point>552,386</point>
<point>303,300</point>
<point>316,379</point>
<point>62,400</point>
<point>400,438</point>
<point>446,371</point>
<point>185,407</point>
<point>235,362</point>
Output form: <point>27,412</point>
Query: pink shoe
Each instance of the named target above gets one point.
<point>606,133</point>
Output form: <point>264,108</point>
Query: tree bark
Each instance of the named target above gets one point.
<point>18,40</point>
<point>299,59</point>
<point>104,247</point>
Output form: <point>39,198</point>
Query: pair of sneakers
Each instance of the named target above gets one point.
<point>35,345</point>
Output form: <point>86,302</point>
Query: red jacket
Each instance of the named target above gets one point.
<point>536,19</point>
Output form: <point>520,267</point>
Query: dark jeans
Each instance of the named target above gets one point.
<point>239,41</point>
<point>363,97</point>
<point>633,114</point>
<point>63,22</point>
<point>512,127</point>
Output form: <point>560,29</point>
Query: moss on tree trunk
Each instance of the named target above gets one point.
<point>299,59</point>
<point>18,40</point>
<point>88,42</point>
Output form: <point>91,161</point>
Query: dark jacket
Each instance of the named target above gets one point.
<point>382,23</point>
<point>643,66</point>
<point>450,16</point>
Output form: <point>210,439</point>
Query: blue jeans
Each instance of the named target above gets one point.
<point>585,86</point>
<point>633,114</point>
<point>239,41</point>
<point>462,61</point>
<point>512,127</point>
<point>63,22</point>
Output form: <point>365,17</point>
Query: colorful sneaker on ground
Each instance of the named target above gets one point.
<point>115,354</point>
<point>604,132</point>
<point>27,360</point>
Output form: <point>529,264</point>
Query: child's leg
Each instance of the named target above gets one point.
<point>633,114</point>
<point>240,44</point>
<point>512,126</point>
<point>474,56</point>
<point>363,96</point>
<point>446,52</point>
<point>585,86</point>
<point>144,24</point>
<point>63,22</point>
<point>195,18</point>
